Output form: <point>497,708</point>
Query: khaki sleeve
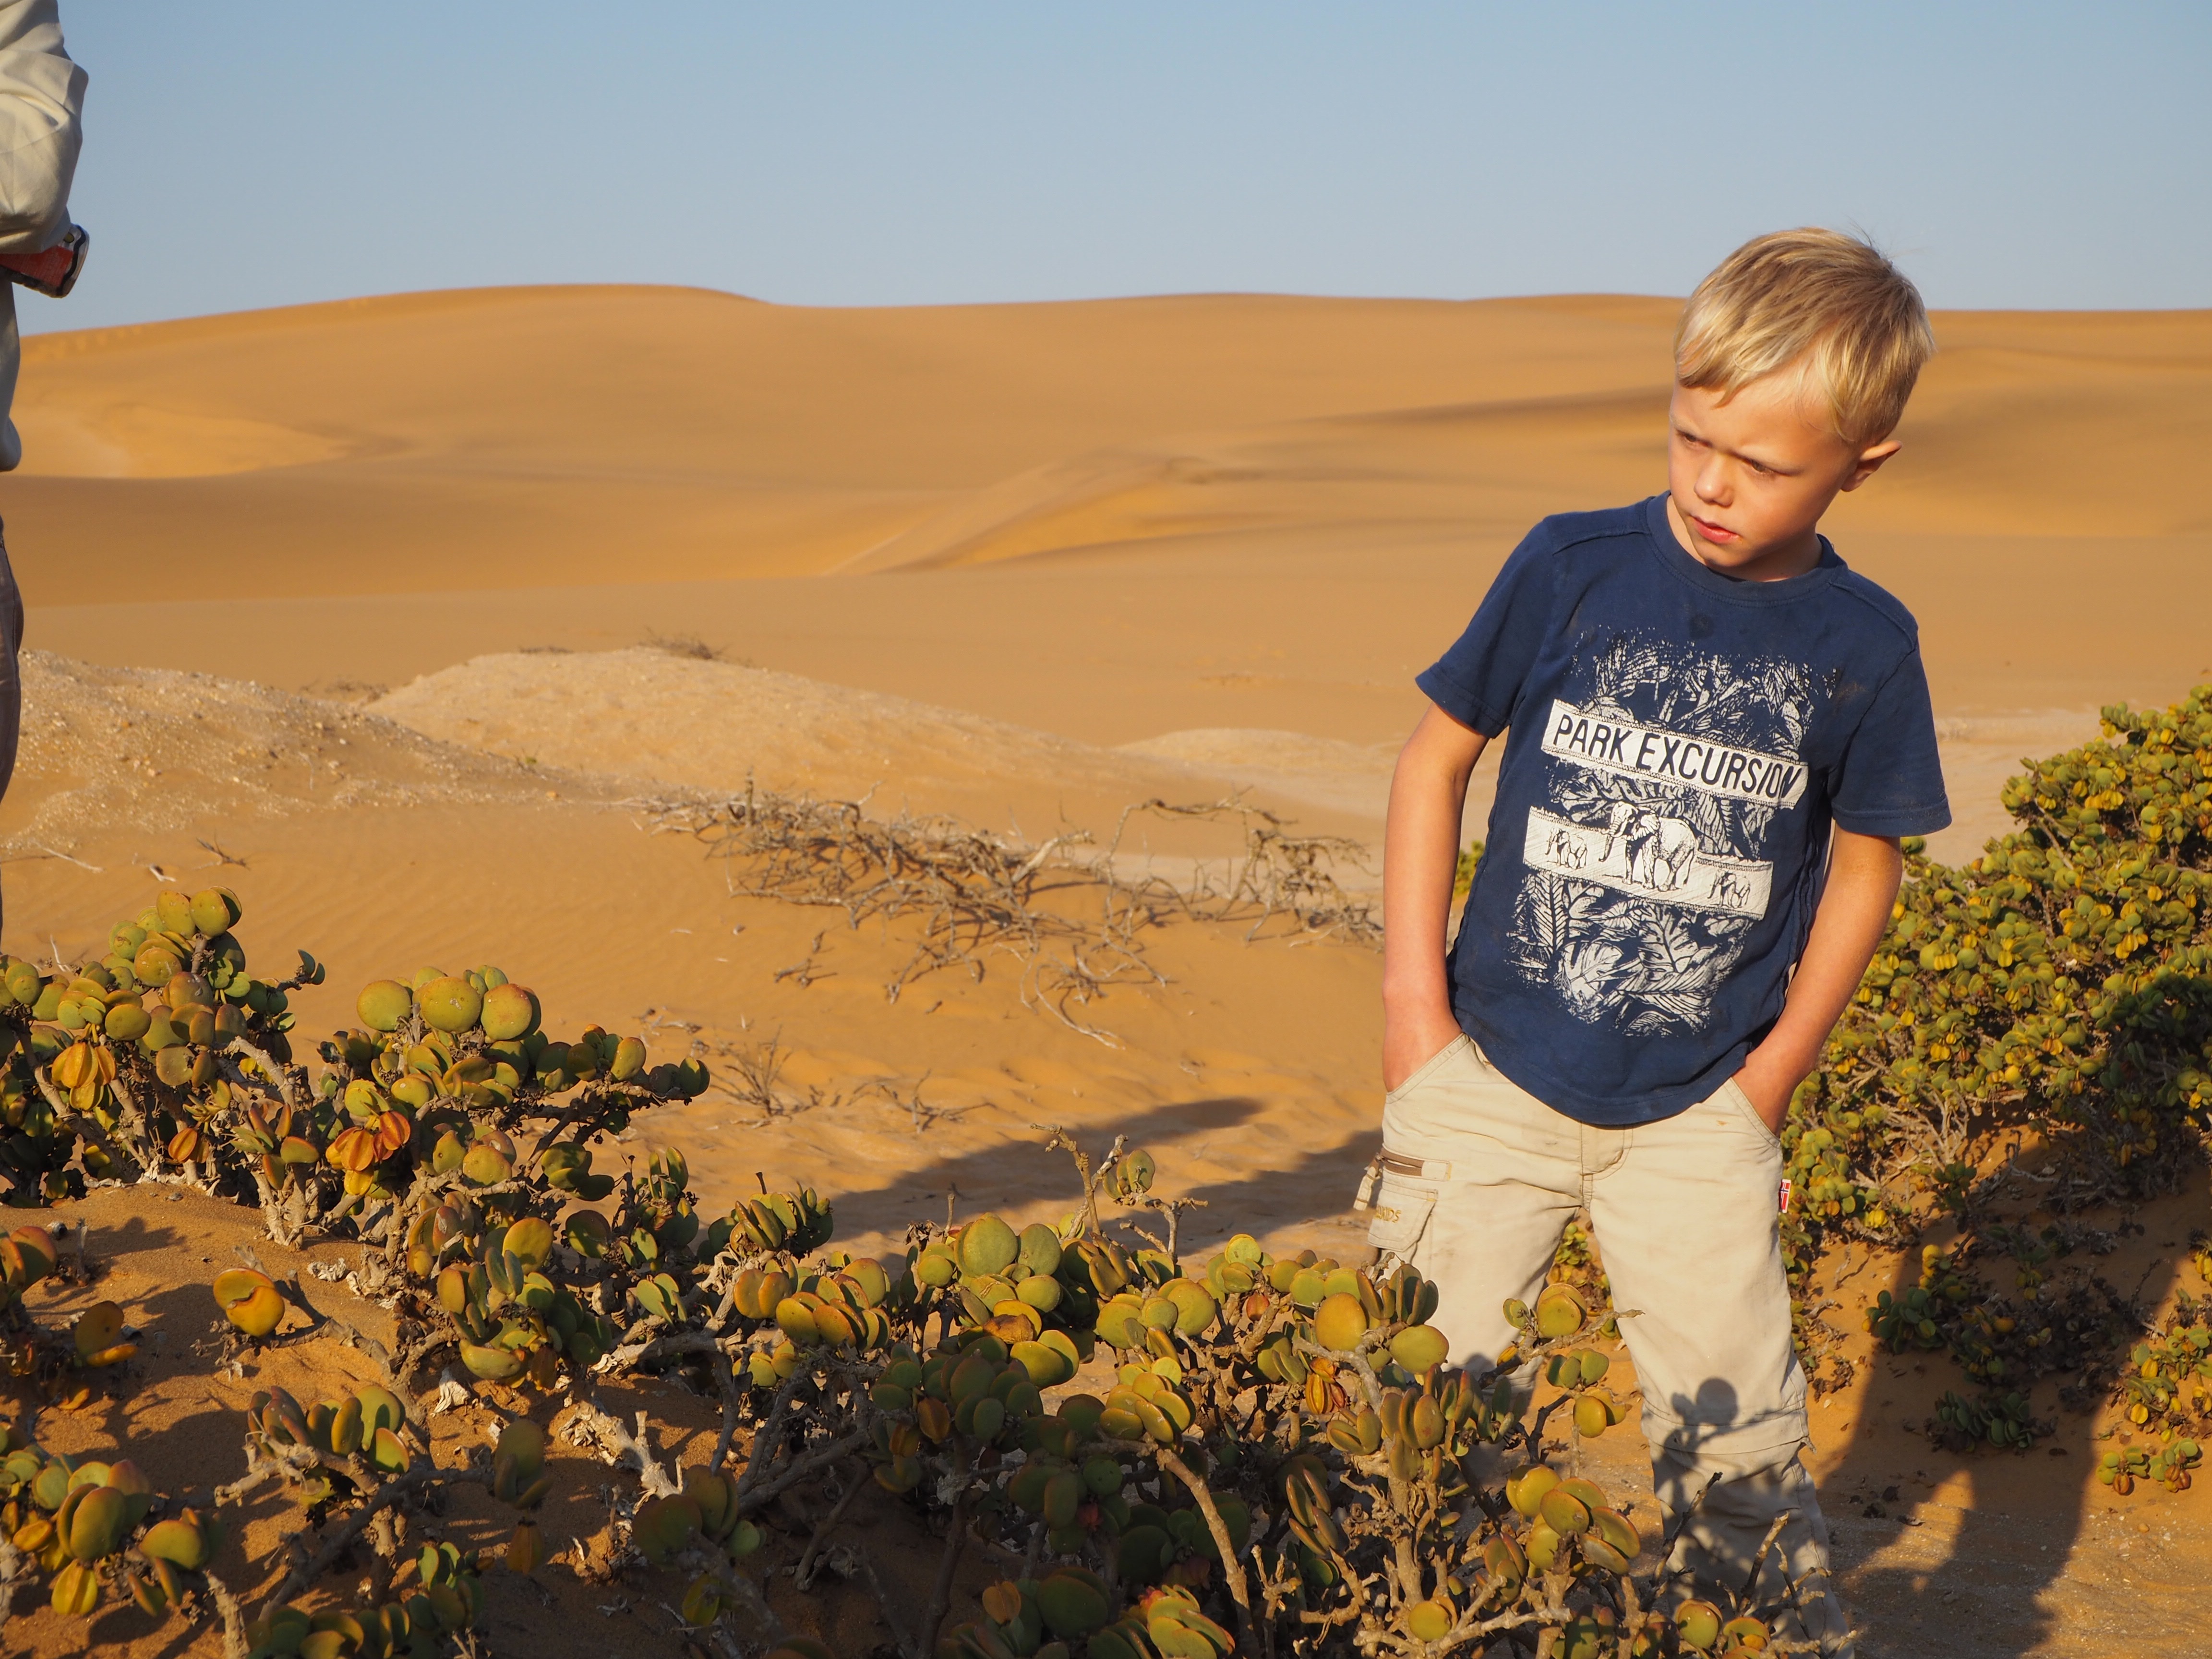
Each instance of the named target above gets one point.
<point>41,101</point>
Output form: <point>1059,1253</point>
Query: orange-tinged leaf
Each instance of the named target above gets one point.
<point>259,1314</point>
<point>236,1284</point>
<point>355,1151</point>
<point>393,1131</point>
<point>73,1066</point>
<point>97,1329</point>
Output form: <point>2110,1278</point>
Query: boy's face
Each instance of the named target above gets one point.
<point>1749,478</point>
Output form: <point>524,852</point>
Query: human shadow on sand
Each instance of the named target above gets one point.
<point>1018,1174</point>
<point>1986,1597</point>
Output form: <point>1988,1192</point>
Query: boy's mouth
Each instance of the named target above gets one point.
<point>1716,534</point>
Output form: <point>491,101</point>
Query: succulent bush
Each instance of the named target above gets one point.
<point>361,1456</point>
<point>168,1061</point>
<point>93,1530</point>
<point>2055,992</point>
<point>447,1132</point>
<point>1165,1453</point>
<point>1273,1457</point>
<point>2058,981</point>
<point>1280,1462</point>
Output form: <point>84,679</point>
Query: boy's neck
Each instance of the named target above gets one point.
<point>1795,558</point>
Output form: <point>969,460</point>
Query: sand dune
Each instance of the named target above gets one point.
<point>136,752</point>
<point>1068,500</point>
<point>1086,543</point>
<point>721,728</point>
<point>648,713</point>
<point>1130,526</point>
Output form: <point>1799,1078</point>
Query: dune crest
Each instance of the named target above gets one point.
<point>137,440</point>
<point>650,713</point>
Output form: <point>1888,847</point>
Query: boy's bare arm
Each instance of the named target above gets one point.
<point>1864,873</point>
<point>1420,850</point>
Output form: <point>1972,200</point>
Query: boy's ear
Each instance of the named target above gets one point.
<point>1869,462</point>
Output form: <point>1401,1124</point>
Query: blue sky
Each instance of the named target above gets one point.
<point>246,153</point>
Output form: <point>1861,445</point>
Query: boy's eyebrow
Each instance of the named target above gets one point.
<point>1767,463</point>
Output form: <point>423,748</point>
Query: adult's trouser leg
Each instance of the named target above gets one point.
<point>11,681</point>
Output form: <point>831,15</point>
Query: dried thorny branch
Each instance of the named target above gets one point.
<point>221,856</point>
<point>1278,874</point>
<point>758,1074</point>
<point>976,893</point>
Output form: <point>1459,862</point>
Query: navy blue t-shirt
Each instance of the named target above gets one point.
<point>1681,741</point>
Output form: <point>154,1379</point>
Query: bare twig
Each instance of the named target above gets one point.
<point>1231,1567</point>
<point>391,1491</point>
<point>616,1444</point>
<point>234,1643</point>
<point>222,857</point>
<point>727,1381</point>
<point>40,848</point>
<point>798,1469</point>
<point>810,1560</point>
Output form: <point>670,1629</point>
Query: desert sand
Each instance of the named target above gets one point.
<point>409,618</point>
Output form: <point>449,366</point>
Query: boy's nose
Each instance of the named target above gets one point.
<point>1712,482</point>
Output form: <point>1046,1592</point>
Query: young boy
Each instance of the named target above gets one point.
<point>1719,734</point>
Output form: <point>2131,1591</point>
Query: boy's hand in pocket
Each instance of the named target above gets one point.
<point>1768,1088</point>
<point>1411,1039</point>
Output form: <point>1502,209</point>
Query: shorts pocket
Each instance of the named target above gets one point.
<point>1400,1209</point>
<point>1435,1063</point>
<point>1733,1092</point>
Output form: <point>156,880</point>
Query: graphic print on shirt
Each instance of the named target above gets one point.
<point>1646,868</point>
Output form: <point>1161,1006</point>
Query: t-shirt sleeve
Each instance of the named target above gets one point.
<point>1890,781</point>
<point>1478,682</point>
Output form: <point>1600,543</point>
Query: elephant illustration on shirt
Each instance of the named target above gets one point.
<point>1661,850</point>
<point>1728,888</point>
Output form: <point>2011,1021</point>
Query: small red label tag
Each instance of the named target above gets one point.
<point>1783,1207</point>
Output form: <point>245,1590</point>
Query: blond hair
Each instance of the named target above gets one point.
<point>1832,303</point>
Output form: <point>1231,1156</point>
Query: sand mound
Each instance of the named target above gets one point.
<point>648,712</point>
<point>664,718</point>
<point>154,750</point>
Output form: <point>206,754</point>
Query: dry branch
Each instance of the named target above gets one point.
<point>976,894</point>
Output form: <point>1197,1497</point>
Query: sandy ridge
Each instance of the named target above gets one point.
<point>158,750</point>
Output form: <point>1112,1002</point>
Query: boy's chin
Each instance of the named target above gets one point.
<point>1726,557</point>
